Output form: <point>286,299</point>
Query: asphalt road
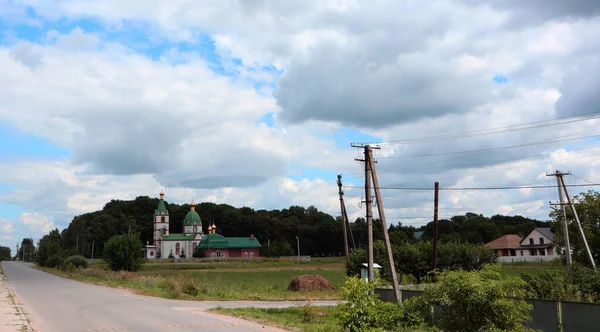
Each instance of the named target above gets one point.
<point>56,304</point>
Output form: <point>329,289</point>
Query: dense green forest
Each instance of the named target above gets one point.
<point>319,233</point>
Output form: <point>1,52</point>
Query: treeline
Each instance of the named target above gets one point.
<point>4,254</point>
<point>319,234</point>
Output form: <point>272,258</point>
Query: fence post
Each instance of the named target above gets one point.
<point>559,316</point>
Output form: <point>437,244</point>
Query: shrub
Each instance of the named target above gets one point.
<point>54,261</point>
<point>492,303</point>
<point>415,259</point>
<point>77,261</point>
<point>124,252</point>
<point>365,312</point>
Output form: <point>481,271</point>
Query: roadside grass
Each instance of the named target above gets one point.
<point>303,318</point>
<point>210,284</point>
<point>233,263</point>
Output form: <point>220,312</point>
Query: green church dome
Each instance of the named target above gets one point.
<point>192,218</point>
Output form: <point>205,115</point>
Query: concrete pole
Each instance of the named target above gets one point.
<point>344,221</point>
<point>386,236</point>
<point>369,202</point>
<point>587,248</point>
<point>435,226</point>
<point>564,220</point>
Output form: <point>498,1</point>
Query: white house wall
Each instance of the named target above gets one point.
<point>535,235</point>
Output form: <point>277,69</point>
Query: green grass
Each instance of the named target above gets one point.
<point>243,263</point>
<point>211,284</point>
<point>516,270</point>
<point>323,319</point>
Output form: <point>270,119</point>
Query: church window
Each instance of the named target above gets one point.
<point>252,254</point>
<point>151,253</point>
<point>195,229</point>
<point>162,219</point>
<point>245,254</point>
<point>164,231</point>
<point>177,248</point>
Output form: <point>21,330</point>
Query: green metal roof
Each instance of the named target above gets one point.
<point>180,237</point>
<point>192,218</point>
<point>218,241</point>
<point>161,207</point>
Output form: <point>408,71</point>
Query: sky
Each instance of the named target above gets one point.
<point>256,103</point>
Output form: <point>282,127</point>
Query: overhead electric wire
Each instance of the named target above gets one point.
<point>493,149</point>
<point>481,188</point>
<point>497,130</point>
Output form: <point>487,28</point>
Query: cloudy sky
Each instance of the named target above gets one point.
<point>256,103</point>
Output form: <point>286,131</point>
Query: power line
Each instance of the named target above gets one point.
<point>492,149</point>
<point>497,130</point>
<point>482,188</point>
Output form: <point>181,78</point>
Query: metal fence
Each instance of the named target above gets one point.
<point>532,259</point>
<point>547,316</point>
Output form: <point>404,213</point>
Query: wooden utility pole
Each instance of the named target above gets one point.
<point>435,226</point>
<point>386,236</point>
<point>344,221</point>
<point>587,248</point>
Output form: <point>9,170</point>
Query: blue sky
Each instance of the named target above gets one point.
<point>17,146</point>
<point>217,71</point>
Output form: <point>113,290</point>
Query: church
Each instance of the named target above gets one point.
<point>165,243</point>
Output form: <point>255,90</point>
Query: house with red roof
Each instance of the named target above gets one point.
<point>505,245</point>
<point>539,244</point>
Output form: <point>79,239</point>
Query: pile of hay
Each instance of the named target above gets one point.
<point>309,282</point>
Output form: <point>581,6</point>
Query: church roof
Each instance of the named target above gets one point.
<point>178,237</point>
<point>192,218</point>
<point>218,241</point>
<point>162,207</point>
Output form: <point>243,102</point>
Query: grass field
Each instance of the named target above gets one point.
<point>309,319</point>
<point>225,280</point>
<point>235,279</point>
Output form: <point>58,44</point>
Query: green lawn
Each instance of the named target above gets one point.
<point>309,319</point>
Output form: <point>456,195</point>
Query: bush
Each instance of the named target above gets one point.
<point>365,312</point>
<point>124,252</point>
<point>492,303</point>
<point>54,261</point>
<point>77,261</point>
<point>415,259</point>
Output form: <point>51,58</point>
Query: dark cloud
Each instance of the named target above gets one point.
<point>356,91</point>
<point>214,182</point>
<point>580,90</point>
<point>533,12</point>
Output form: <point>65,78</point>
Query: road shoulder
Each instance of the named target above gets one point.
<point>11,314</point>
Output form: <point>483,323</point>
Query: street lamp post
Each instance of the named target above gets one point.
<point>298,244</point>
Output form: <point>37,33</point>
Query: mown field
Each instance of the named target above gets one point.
<point>235,279</point>
<point>218,280</point>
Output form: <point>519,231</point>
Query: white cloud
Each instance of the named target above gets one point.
<point>6,226</point>
<point>37,223</point>
<point>136,124</point>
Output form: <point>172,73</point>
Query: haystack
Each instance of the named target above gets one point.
<point>309,282</point>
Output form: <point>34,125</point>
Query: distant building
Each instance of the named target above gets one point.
<point>505,245</point>
<point>539,244</point>
<point>216,245</point>
<point>165,243</point>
